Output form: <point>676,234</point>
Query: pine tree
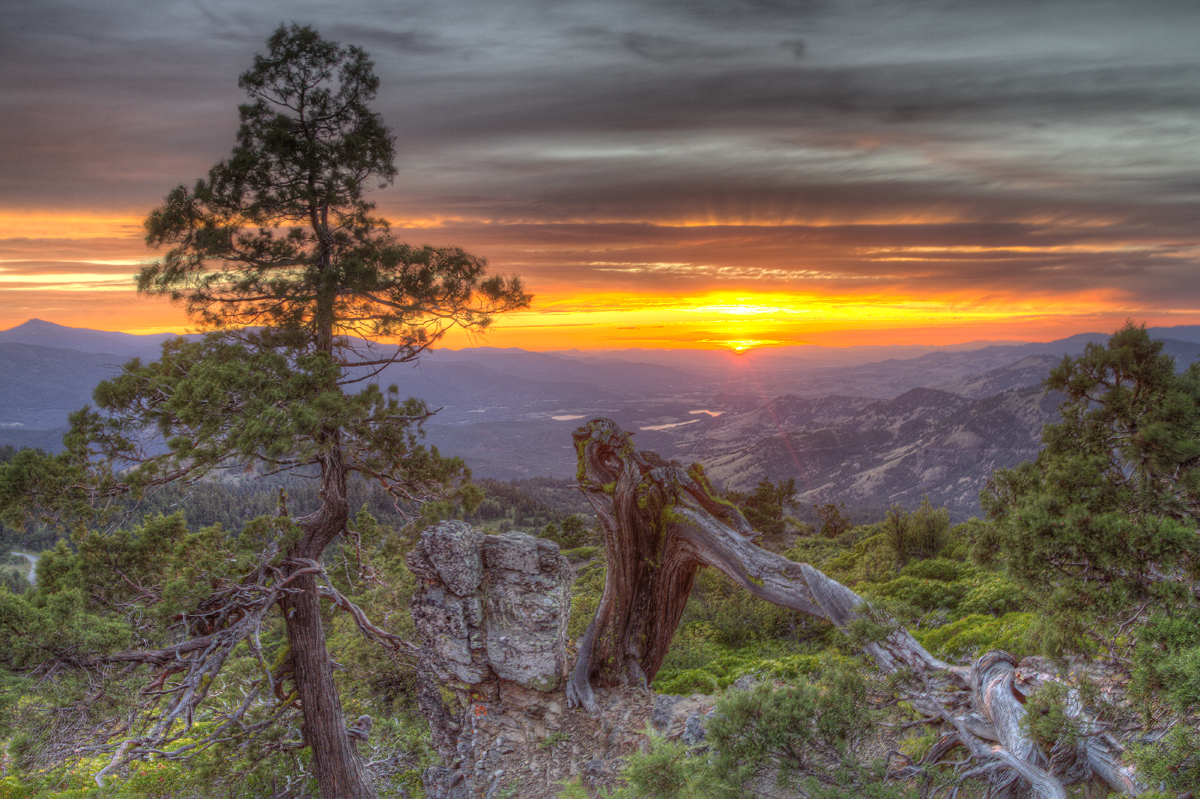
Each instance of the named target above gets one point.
<point>278,254</point>
<point>1106,517</point>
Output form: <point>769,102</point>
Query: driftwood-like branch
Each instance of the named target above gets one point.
<point>181,675</point>
<point>662,523</point>
<point>371,631</point>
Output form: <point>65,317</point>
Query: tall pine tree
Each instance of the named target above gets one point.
<point>277,252</point>
<point>1106,517</point>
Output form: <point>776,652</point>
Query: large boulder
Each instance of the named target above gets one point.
<point>492,615</point>
<point>492,606</point>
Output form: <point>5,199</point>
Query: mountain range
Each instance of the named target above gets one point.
<point>867,426</point>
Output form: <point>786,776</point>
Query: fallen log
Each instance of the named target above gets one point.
<point>662,523</point>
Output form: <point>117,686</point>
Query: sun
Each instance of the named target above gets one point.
<point>742,346</point>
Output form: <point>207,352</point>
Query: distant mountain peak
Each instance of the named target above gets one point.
<point>43,333</point>
<point>36,324</point>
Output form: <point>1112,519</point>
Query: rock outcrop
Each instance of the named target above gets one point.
<point>492,615</point>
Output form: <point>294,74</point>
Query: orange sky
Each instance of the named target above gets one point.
<point>75,268</point>
<point>674,174</point>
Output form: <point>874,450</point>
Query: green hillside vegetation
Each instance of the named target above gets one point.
<point>215,606</point>
<point>13,572</point>
<point>962,590</point>
<point>79,611</point>
<point>1088,559</point>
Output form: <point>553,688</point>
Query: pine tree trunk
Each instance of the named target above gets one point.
<point>340,772</point>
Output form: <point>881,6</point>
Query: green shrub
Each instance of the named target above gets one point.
<point>787,667</point>
<point>733,615</point>
<point>1173,762</point>
<point>833,522</point>
<point>1166,661</point>
<point>573,533</point>
<point>937,569</point>
<point>695,663</point>
<point>916,746</point>
<point>797,731</point>
<point>582,554</point>
<point>926,595</point>
<point>1065,625</point>
<point>689,681</point>
<point>1046,719</point>
<point>691,648</point>
<point>993,593</point>
<point>12,788</point>
<point>814,551</point>
<point>585,597</point>
<point>786,729</point>
<point>572,790</point>
<point>975,634</point>
<point>918,535</point>
<point>666,771</point>
<point>870,561</point>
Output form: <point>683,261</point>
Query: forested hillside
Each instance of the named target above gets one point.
<point>509,414</point>
<point>1083,568</point>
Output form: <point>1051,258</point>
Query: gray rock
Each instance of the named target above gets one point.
<point>453,550</point>
<point>492,605</point>
<point>492,615</point>
<point>663,712</point>
<point>444,783</point>
<point>745,682</point>
<point>693,729</point>
<point>520,552</point>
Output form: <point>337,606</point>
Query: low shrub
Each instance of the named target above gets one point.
<point>1047,720</point>
<point>689,681</point>
<point>585,597</point>
<point>666,770</point>
<point>938,569</point>
<point>787,667</point>
<point>1166,661</point>
<point>734,616</point>
<point>797,731</point>
<point>923,594</point>
<point>975,634</point>
<point>870,561</point>
<point>1172,763</point>
<point>993,594</point>
<point>582,554</point>
<point>814,551</point>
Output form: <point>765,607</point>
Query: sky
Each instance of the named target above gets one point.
<point>661,173</point>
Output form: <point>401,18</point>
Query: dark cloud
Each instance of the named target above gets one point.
<point>1057,136</point>
<point>738,12</point>
<point>383,39</point>
<point>795,46</point>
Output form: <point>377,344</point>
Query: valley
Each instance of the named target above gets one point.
<point>867,426</point>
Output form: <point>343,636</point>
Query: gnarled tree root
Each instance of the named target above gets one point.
<point>662,523</point>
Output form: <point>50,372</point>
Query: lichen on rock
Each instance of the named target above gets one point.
<point>492,615</point>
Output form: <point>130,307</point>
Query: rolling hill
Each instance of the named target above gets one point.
<point>921,422</point>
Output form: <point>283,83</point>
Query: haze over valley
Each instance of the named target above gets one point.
<point>868,426</point>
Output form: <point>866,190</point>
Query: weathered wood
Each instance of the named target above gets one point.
<point>662,523</point>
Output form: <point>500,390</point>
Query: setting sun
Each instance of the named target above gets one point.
<point>741,346</point>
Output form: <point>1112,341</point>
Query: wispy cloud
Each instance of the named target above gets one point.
<point>1039,150</point>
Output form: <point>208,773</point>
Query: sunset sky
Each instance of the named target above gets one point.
<point>665,173</point>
